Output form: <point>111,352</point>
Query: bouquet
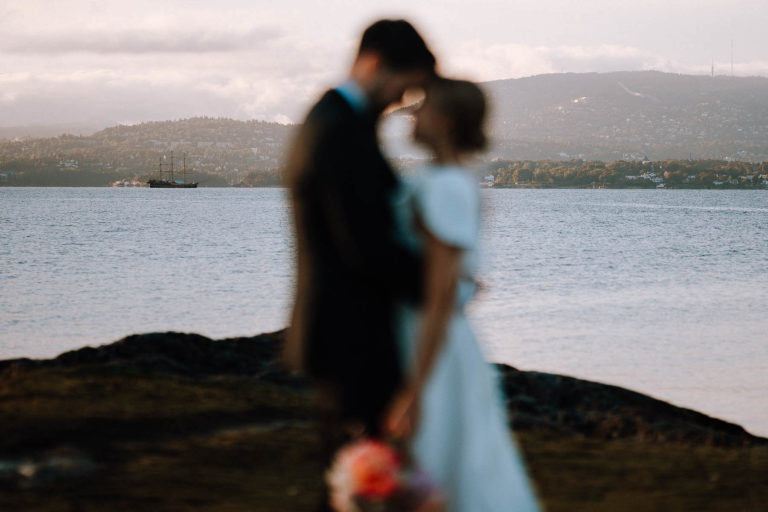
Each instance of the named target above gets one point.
<point>372,476</point>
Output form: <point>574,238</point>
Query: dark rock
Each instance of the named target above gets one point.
<point>176,353</point>
<point>535,400</point>
<point>565,404</point>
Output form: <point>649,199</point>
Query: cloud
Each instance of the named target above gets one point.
<point>7,97</point>
<point>274,81</point>
<point>751,68</point>
<point>139,41</point>
<point>481,62</point>
<point>603,58</point>
<point>115,61</point>
<point>113,96</point>
<point>494,62</point>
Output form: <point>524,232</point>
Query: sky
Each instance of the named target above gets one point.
<point>105,62</point>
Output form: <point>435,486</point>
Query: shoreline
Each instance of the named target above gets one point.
<point>496,187</point>
<point>175,421</point>
<point>535,400</point>
<point>517,383</point>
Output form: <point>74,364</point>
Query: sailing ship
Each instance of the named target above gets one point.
<point>171,183</point>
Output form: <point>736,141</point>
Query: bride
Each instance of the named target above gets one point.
<point>451,407</point>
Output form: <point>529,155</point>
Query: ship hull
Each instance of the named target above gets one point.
<point>170,184</point>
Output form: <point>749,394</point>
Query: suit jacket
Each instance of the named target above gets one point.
<point>351,269</point>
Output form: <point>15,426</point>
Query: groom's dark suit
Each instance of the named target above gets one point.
<point>351,270</point>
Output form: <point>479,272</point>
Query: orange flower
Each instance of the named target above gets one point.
<point>375,471</point>
<point>371,470</point>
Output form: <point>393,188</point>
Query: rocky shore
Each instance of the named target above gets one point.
<point>171,421</point>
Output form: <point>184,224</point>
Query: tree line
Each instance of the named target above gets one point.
<point>628,174</point>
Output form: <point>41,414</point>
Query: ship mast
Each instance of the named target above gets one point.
<point>171,166</point>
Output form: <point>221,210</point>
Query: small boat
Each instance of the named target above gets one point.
<point>172,183</point>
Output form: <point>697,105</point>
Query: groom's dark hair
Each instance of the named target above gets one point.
<point>399,45</point>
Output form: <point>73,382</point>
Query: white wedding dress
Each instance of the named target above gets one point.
<point>463,441</point>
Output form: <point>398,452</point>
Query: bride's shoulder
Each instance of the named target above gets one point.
<point>450,181</point>
<point>448,204</point>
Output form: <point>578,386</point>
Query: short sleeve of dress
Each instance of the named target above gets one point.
<point>447,203</point>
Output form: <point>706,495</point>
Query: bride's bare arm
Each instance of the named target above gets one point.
<point>442,269</point>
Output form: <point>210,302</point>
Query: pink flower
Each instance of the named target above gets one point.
<point>375,468</point>
<point>370,475</point>
<point>365,469</point>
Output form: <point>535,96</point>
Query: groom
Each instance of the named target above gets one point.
<point>351,269</point>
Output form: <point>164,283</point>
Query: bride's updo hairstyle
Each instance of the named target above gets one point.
<point>464,105</point>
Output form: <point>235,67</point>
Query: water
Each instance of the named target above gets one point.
<point>90,265</point>
<point>664,292</point>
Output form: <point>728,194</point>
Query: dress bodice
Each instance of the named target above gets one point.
<point>444,200</point>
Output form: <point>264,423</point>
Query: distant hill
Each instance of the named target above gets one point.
<point>630,115</point>
<point>644,115</point>
<point>225,148</point>
<point>619,116</point>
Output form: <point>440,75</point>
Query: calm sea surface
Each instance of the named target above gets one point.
<point>661,291</point>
